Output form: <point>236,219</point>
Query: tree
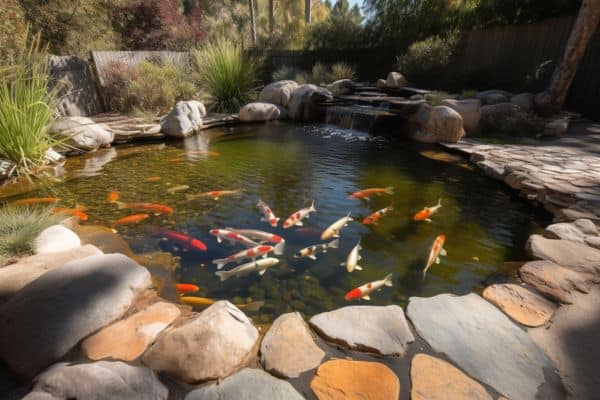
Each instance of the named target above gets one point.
<point>307,7</point>
<point>341,29</point>
<point>252,21</point>
<point>553,99</point>
<point>271,17</point>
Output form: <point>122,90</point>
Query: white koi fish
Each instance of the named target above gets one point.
<point>437,250</point>
<point>427,212</point>
<point>353,258</point>
<point>362,292</point>
<point>334,229</point>
<point>259,265</point>
<point>269,216</point>
<point>312,251</point>
<point>232,237</point>
<point>296,218</point>
<point>262,236</point>
<point>253,254</point>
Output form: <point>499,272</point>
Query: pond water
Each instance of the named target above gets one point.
<point>288,166</point>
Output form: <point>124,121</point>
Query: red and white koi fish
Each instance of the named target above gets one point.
<point>296,218</point>
<point>259,265</point>
<point>365,194</point>
<point>334,229</point>
<point>269,216</point>
<point>374,218</point>
<point>427,212</point>
<point>183,239</point>
<point>362,292</point>
<point>312,251</point>
<point>263,237</point>
<point>215,194</point>
<point>156,208</point>
<point>253,253</point>
<point>232,237</point>
<point>437,250</point>
<point>353,258</point>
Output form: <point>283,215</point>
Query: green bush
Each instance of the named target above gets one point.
<point>320,73</point>
<point>429,56</point>
<point>436,98</point>
<point>341,70</point>
<point>468,94</point>
<point>225,74</point>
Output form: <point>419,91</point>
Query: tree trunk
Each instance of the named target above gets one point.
<point>307,11</point>
<point>252,22</point>
<point>552,100</point>
<point>271,16</point>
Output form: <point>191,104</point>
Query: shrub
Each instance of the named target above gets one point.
<point>468,94</point>
<point>429,56</point>
<point>341,70</point>
<point>225,74</point>
<point>321,73</point>
<point>436,98</point>
<point>286,73</point>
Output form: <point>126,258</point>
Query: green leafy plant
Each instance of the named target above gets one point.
<point>341,70</point>
<point>225,74</point>
<point>429,56</point>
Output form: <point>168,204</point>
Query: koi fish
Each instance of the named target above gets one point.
<point>312,251</point>
<point>131,219</point>
<point>205,302</point>
<point>296,218</point>
<point>437,250</point>
<point>215,194</point>
<point>353,258</point>
<point>334,229</point>
<point>427,212</point>
<point>365,194</point>
<point>37,200</point>
<point>374,218</point>
<point>175,160</point>
<point>153,179</point>
<point>178,188</point>
<point>77,212</point>
<point>232,237</point>
<point>157,208</point>
<point>204,153</point>
<point>183,288</point>
<point>113,196</point>
<point>362,292</point>
<point>259,265</point>
<point>263,237</point>
<point>183,239</point>
<point>253,254</point>
<point>269,217</point>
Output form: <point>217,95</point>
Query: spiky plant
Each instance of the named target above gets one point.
<point>320,73</point>
<point>341,70</point>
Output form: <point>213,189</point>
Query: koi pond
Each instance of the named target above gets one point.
<point>289,166</point>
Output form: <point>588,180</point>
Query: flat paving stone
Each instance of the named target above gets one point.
<point>566,253</point>
<point>521,304</point>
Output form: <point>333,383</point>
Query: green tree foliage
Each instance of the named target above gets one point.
<point>341,29</point>
<point>13,28</point>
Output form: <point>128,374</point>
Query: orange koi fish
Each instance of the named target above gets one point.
<point>157,208</point>
<point>131,219</point>
<point>215,194</point>
<point>204,153</point>
<point>374,218</point>
<point>183,288</point>
<point>365,194</point>
<point>427,212</point>
<point>113,197</point>
<point>75,212</point>
<point>183,239</point>
<point>205,302</point>
<point>437,250</point>
<point>362,292</point>
<point>153,179</point>
<point>37,200</point>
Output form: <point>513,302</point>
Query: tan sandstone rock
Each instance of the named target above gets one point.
<point>520,304</point>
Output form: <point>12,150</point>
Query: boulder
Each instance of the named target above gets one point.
<point>213,345</point>
<point>523,100</point>
<point>342,87</point>
<point>486,344</point>
<point>435,379</point>
<point>48,317</point>
<point>490,97</point>
<point>16,276</point>
<point>395,80</point>
<point>556,127</point>
<point>305,102</point>
<point>278,93</point>
<point>184,119</point>
<point>128,339</point>
<point>574,255</point>
<point>580,230</point>
<point>520,304</point>
<point>344,379</point>
<point>507,118</point>
<point>381,84</point>
<point>259,112</point>
<point>437,124</point>
<point>97,381</point>
<point>54,239</point>
<point>556,282</point>
<point>248,384</point>
<point>81,133</point>
<point>102,237</point>
<point>377,329</point>
<point>469,110</point>
<point>288,349</point>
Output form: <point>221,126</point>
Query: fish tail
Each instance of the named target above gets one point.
<point>223,275</point>
<point>387,281</point>
<point>312,206</point>
<point>389,190</point>
<point>279,248</point>
<point>439,202</point>
<point>254,306</point>
<point>425,272</point>
<point>220,262</point>
<point>190,197</point>
<point>335,244</point>
<point>120,205</point>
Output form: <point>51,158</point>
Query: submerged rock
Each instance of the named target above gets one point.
<point>566,253</point>
<point>213,345</point>
<point>183,119</point>
<point>278,93</point>
<point>379,329</point>
<point>128,339</point>
<point>42,322</point>
<point>395,80</point>
<point>344,379</point>
<point>259,112</point>
<point>486,344</point>
<point>437,124</point>
<point>81,133</point>
<point>305,104</point>
<point>248,384</point>
<point>54,239</point>
<point>435,379</point>
<point>97,381</point>
<point>520,304</point>
<point>469,110</point>
<point>289,331</point>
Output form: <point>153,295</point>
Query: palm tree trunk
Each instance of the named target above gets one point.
<point>307,10</point>
<point>252,21</point>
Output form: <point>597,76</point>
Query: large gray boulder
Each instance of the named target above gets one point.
<point>439,124</point>
<point>494,96</point>
<point>278,93</point>
<point>305,102</point>
<point>581,231</point>
<point>97,381</point>
<point>507,118</point>
<point>567,253</point>
<point>211,346</point>
<point>184,119</point>
<point>48,317</point>
<point>376,329</point>
<point>486,344</point>
<point>395,80</point>
<point>288,349</point>
<point>54,239</point>
<point>248,384</point>
<point>259,111</point>
<point>341,87</point>
<point>81,133</point>
<point>469,110</point>
<point>523,100</point>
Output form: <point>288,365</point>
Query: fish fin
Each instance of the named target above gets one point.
<point>220,262</point>
<point>254,306</point>
<point>279,248</point>
<point>343,264</point>
<point>428,220</point>
<point>359,257</point>
<point>439,204</point>
<point>437,260</point>
<point>312,257</point>
<point>334,244</point>
<point>425,271</point>
<point>263,256</point>
<point>216,198</point>
<point>219,240</point>
<point>358,268</point>
<point>387,281</point>
<point>276,222</point>
<point>312,207</point>
<point>443,252</point>
<point>223,275</point>
<point>389,190</point>
<point>366,297</point>
<point>336,235</point>
<point>262,272</point>
<point>299,223</point>
<point>120,205</point>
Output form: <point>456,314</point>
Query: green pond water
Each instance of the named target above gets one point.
<point>288,166</point>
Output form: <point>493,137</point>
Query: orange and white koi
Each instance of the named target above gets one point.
<point>253,253</point>
<point>427,212</point>
<point>255,234</point>
<point>258,265</point>
<point>37,200</point>
<point>437,250</point>
<point>232,237</point>
<point>312,251</point>
<point>374,218</point>
<point>113,197</point>
<point>215,194</point>
<point>205,302</point>
<point>334,229</point>
<point>363,292</point>
<point>153,179</point>
<point>353,258</point>
<point>156,208</point>
<point>131,219</point>
<point>296,218</point>
<point>366,193</point>
<point>183,239</point>
<point>77,212</point>
<point>183,288</point>
<point>269,216</point>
